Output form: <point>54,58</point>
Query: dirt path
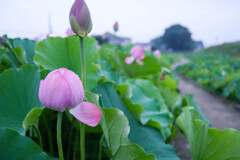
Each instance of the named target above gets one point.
<point>219,111</point>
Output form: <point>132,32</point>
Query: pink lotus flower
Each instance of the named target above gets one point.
<point>137,54</point>
<point>69,32</point>
<point>61,89</point>
<point>80,18</point>
<point>87,113</point>
<point>116,26</point>
<point>157,53</point>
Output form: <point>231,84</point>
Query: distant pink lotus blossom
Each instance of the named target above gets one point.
<point>61,89</point>
<point>98,46</point>
<point>87,113</point>
<point>103,37</point>
<point>147,48</point>
<point>137,54</point>
<point>157,53</point>
<point>37,39</point>
<point>69,32</point>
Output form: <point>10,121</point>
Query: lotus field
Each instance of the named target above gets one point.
<point>217,72</point>
<point>71,98</point>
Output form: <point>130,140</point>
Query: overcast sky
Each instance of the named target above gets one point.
<point>212,21</point>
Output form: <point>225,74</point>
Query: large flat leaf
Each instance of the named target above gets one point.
<point>116,128</point>
<point>27,45</point>
<point>16,147</point>
<point>168,89</point>
<point>144,101</point>
<point>170,96</point>
<point>188,100</point>
<point>151,91</point>
<point>53,53</point>
<point>209,144</point>
<point>18,95</point>
<point>150,139</point>
<point>155,113</point>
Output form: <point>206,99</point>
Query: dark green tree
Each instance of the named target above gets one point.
<point>156,43</point>
<point>178,38</point>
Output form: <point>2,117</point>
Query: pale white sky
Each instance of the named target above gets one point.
<point>212,21</point>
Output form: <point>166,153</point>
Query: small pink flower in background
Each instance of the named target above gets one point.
<point>98,46</point>
<point>103,37</point>
<point>137,54</point>
<point>69,32</point>
<point>116,26</point>
<point>87,113</point>
<point>50,35</point>
<point>157,53</point>
<point>147,48</point>
<point>61,89</point>
<point>40,37</point>
<point>37,39</point>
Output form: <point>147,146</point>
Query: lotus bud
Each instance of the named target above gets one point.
<point>61,89</point>
<point>87,113</point>
<point>3,41</point>
<point>80,18</point>
<point>115,26</point>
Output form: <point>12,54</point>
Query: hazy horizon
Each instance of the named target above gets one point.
<point>213,22</point>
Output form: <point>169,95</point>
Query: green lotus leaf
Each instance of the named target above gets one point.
<point>16,147</point>
<point>55,52</point>
<point>18,95</point>
<point>209,143</point>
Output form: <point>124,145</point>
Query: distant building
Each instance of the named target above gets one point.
<point>112,39</point>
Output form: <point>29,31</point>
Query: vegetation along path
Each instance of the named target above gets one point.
<point>219,111</point>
